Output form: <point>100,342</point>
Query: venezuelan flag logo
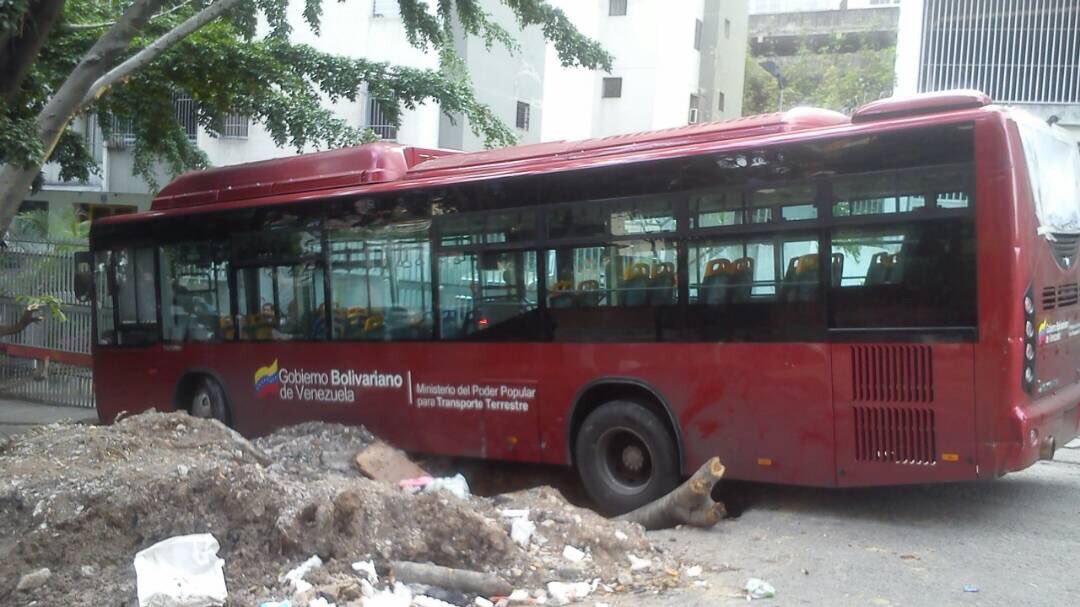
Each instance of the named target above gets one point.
<point>266,379</point>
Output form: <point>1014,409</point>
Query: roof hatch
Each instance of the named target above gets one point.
<point>925,103</point>
<point>370,163</point>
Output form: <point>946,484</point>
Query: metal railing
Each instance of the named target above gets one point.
<point>38,269</point>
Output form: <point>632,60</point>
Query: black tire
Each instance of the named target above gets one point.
<point>626,456</point>
<point>208,401</point>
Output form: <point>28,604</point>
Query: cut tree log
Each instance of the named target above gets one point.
<point>691,503</point>
<point>462,580</point>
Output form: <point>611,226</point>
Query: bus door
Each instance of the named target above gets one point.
<point>487,296</point>
<point>902,327</point>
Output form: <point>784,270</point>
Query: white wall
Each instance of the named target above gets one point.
<point>350,30</point>
<point>653,47</point>
<point>908,47</point>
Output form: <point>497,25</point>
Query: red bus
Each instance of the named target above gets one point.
<point>818,299</point>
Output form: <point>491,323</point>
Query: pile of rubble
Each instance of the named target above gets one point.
<point>81,501</point>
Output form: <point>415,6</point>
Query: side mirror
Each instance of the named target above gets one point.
<point>84,276</point>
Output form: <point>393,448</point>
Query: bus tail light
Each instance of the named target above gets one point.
<point>1027,373</point>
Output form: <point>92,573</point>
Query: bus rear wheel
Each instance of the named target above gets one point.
<point>626,456</point>
<point>208,401</point>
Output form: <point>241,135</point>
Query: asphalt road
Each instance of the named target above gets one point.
<point>1015,541</point>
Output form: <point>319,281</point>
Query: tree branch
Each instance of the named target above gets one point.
<point>29,317</point>
<point>80,27</point>
<point>148,54</point>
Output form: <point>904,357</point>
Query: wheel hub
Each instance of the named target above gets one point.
<point>633,458</point>
<point>201,406</point>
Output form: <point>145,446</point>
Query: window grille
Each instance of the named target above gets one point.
<point>617,8</point>
<point>612,88</point>
<point>235,127</point>
<point>379,122</point>
<point>522,115</point>
<point>1015,52</point>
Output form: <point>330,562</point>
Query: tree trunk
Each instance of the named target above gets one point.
<point>691,503</point>
<point>18,52</point>
<point>66,102</point>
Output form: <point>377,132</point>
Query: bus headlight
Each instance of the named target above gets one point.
<point>1029,329</point>
<point>1029,305</point>
<point>1029,375</point>
<point>1029,352</point>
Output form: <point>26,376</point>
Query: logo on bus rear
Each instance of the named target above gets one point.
<point>266,380</point>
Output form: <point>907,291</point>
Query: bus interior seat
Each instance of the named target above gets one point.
<point>800,280</point>
<point>589,293</point>
<point>562,295</point>
<point>662,284</point>
<point>636,285</point>
<point>878,272</point>
<point>742,282</point>
<point>837,269</point>
<point>718,275</point>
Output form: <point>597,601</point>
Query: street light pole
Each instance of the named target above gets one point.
<point>770,66</point>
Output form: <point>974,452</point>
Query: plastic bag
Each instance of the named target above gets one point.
<point>182,571</point>
<point>758,589</point>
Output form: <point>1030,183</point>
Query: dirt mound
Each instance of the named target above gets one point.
<point>82,500</point>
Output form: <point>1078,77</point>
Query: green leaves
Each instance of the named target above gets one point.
<point>245,63</point>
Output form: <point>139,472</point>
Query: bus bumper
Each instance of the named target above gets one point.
<point>1043,427</point>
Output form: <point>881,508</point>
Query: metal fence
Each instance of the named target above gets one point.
<point>44,268</point>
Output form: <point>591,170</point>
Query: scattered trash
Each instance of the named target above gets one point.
<point>34,579</point>
<point>182,571</point>
<point>456,485</point>
<point>398,596</point>
<point>482,602</point>
<point>573,554</point>
<point>414,485</point>
<point>515,513</point>
<point>758,589</point>
<point>909,557</point>
<point>637,564</point>
<point>971,588</point>
<point>367,569</point>
<point>296,575</point>
<point>519,595</point>
<point>619,535</point>
<point>285,603</point>
<point>521,531</point>
<point>694,571</point>
<point>562,593</point>
<point>320,602</point>
<point>421,600</point>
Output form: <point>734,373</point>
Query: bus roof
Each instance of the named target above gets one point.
<point>358,168</point>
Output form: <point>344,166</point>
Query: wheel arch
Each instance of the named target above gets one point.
<point>604,389</point>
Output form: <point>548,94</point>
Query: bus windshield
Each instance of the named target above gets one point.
<point>1053,162</point>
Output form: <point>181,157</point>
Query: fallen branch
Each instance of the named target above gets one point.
<point>29,316</point>
<point>691,503</point>
<point>462,580</point>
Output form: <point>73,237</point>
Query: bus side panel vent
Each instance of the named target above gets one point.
<point>1049,298</point>
<point>895,435</point>
<point>1064,247</point>
<point>1067,295</point>
<point>892,374</point>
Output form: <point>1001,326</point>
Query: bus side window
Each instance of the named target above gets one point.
<point>136,300</point>
<point>103,300</point>
<point>489,295</point>
<point>194,293</point>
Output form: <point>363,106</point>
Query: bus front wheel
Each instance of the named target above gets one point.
<point>208,401</point>
<point>626,456</point>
